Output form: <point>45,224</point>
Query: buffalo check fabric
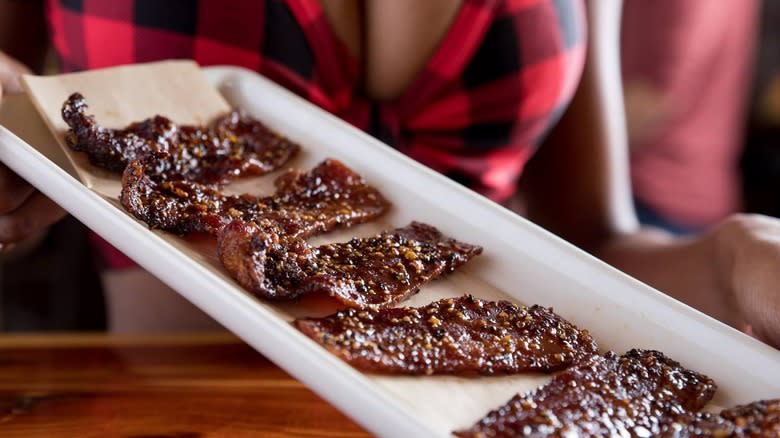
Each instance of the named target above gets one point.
<point>496,83</point>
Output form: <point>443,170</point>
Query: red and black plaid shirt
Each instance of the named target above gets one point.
<point>498,80</point>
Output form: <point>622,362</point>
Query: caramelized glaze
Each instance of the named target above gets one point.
<point>760,419</point>
<point>452,336</point>
<point>374,271</point>
<point>305,203</point>
<point>622,396</point>
<point>231,146</point>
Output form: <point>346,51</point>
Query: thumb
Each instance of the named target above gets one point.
<point>10,72</point>
<point>9,83</point>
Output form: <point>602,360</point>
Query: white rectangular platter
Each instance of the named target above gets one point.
<point>521,262</point>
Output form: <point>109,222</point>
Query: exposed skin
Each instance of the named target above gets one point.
<point>729,272</point>
<point>398,36</point>
<point>24,212</point>
<point>646,109</point>
<point>577,185</point>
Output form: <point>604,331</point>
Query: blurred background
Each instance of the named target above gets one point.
<point>702,92</point>
<point>761,158</point>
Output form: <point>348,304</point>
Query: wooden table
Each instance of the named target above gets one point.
<point>182,386</point>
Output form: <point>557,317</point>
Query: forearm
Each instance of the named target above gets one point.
<point>23,33</point>
<point>690,270</point>
<point>577,185</point>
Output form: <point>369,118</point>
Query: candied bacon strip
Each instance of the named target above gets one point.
<point>374,271</point>
<point>263,260</point>
<point>610,395</point>
<point>231,146</point>
<point>386,268</point>
<point>754,420</point>
<point>452,336</point>
<point>316,201</point>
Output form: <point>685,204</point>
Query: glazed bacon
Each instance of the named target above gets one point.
<point>452,336</point>
<point>610,395</point>
<point>760,419</point>
<point>374,271</point>
<point>305,203</point>
<point>231,146</point>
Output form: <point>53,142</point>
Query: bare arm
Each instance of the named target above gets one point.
<point>24,212</point>
<point>583,166</point>
<point>578,186</point>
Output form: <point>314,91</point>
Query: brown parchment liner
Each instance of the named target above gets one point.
<point>179,90</point>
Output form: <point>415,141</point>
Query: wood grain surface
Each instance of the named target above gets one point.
<point>181,386</point>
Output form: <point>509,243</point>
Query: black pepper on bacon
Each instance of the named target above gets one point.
<point>759,419</point>
<point>231,146</point>
<point>632,395</point>
<point>458,336</point>
<point>374,271</point>
<point>305,203</point>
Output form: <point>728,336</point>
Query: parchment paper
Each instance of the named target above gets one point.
<point>178,90</point>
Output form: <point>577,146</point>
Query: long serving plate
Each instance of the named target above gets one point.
<point>521,262</point>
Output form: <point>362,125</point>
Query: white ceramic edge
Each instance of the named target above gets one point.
<point>562,256</point>
<point>329,377</point>
<point>338,383</point>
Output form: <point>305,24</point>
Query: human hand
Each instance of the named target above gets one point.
<point>749,263</point>
<point>24,212</point>
<point>10,71</point>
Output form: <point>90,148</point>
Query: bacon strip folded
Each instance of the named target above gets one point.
<point>630,395</point>
<point>305,203</point>
<point>374,271</point>
<point>452,336</point>
<point>231,146</point>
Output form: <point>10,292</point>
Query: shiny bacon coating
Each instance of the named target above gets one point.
<point>452,336</point>
<point>374,271</point>
<point>760,419</point>
<point>387,268</point>
<point>316,201</point>
<point>610,395</point>
<point>231,146</point>
<point>263,260</point>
